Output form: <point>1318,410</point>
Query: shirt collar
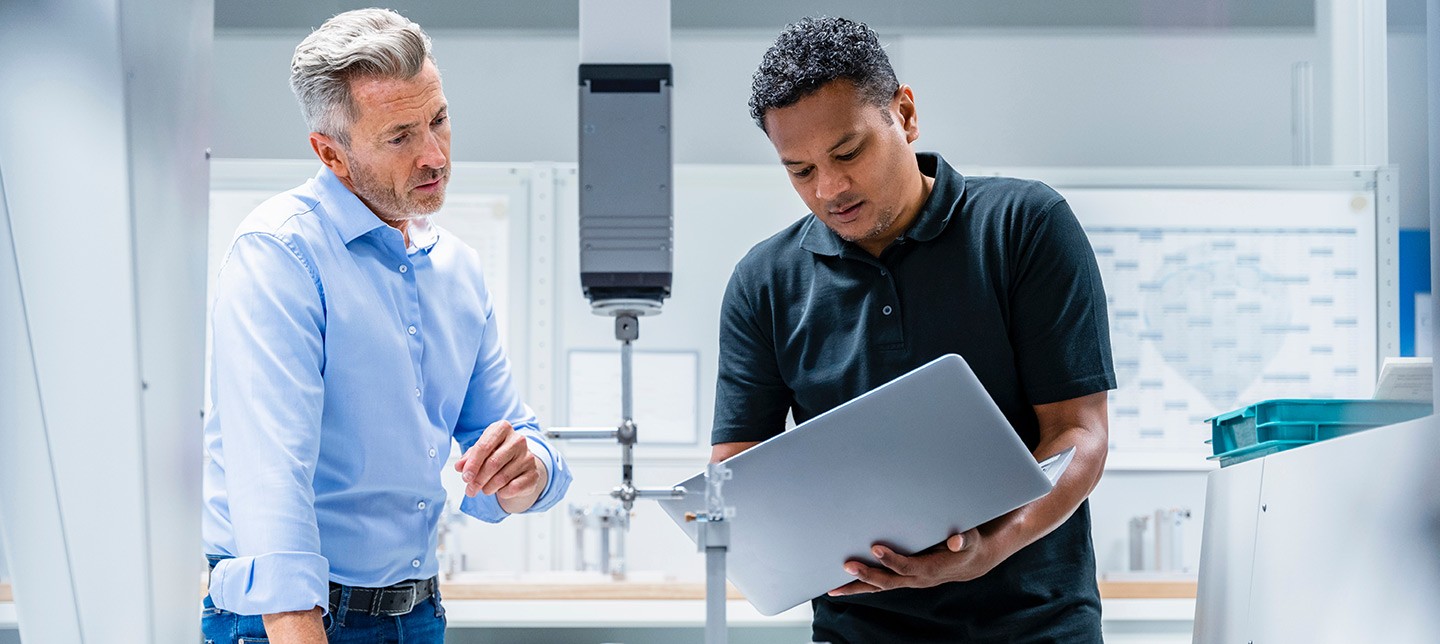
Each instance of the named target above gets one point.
<point>350,215</point>
<point>353,219</point>
<point>934,214</point>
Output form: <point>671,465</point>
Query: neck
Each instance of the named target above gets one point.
<point>402,225</point>
<point>902,223</point>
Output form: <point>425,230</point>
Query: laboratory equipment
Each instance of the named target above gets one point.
<point>609,521</point>
<point>1271,426</point>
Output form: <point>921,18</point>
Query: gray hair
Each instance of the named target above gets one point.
<point>355,44</point>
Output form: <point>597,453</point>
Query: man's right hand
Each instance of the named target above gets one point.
<point>298,627</point>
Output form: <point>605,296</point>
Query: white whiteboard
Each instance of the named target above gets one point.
<point>1227,287</point>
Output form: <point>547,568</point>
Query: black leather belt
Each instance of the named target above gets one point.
<point>389,601</point>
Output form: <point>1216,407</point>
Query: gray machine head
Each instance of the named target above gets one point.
<point>626,202</point>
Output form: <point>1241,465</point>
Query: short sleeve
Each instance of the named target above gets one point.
<point>1059,325</point>
<point>751,398</point>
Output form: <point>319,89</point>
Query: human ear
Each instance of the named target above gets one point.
<point>903,108</point>
<point>331,153</point>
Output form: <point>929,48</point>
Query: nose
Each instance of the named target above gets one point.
<point>434,155</point>
<point>831,184</point>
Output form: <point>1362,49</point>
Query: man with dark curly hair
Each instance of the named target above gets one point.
<point>902,260</point>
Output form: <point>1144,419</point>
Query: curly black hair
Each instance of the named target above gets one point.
<point>815,51</point>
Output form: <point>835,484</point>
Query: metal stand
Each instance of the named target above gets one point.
<point>611,522</point>
<point>712,537</point>
<point>713,534</point>
<point>627,330</point>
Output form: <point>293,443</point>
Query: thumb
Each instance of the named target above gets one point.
<point>955,543</point>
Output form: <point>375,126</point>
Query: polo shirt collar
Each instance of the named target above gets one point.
<point>935,213</point>
<point>351,217</point>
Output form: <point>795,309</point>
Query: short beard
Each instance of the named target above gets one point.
<point>883,221</point>
<point>389,205</point>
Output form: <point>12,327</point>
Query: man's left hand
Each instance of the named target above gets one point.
<point>961,558</point>
<point>500,463</point>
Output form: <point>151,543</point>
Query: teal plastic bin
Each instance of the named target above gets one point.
<point>1271,426</point>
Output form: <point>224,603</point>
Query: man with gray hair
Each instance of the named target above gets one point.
<point>353,341</point>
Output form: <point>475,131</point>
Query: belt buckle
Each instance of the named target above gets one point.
<point>409,604</point>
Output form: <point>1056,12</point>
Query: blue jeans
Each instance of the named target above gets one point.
<point>424,625</point>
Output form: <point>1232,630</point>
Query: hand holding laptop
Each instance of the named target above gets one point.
<point>788,542</point>
<point>962,557</point>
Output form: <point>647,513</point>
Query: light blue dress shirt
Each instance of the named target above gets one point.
<point>343,365</point>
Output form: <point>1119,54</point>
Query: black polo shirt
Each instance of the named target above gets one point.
<point>995,269</point>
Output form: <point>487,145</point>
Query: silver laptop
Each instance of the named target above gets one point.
<point>908,464</point>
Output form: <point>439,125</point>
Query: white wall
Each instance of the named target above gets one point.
<point>1027,99</point>
<point>1408,126</point>
<point>995,98</point>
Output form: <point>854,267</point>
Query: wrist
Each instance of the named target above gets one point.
<point>299,627</point>
<point>518,504</point>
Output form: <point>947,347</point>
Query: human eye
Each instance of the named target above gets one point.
<point>848,156</point>
<point>803,172</point>
<point>399,139</point>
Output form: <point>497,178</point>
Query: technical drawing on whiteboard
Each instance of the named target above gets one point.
<point>1222,298</point>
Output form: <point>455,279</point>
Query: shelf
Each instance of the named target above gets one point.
<point>661,604</point>
<point>1178,589</point>
<point>680,591</point>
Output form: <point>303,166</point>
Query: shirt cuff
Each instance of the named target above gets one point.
<point>487,508</point>
<point>278,582</point>
<point>558,471</point>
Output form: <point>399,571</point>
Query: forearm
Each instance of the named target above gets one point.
<point>1027,524</point>
<point>723,451</point>
<point>298,627</point>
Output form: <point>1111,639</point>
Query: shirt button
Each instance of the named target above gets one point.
<point>417,392</point>
<point>432,452</point>
<point>420,505</point>
<point>414,563</point>
<point>883,273</point>
<point>404,268</point>
<point>886,310</point>
<point>411,329</point>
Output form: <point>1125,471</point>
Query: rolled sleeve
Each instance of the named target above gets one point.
<point>268,350</point>
<point>271,583</point>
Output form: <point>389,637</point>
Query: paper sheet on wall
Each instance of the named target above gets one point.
<point>666,393</point>
<point>483,222</point>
